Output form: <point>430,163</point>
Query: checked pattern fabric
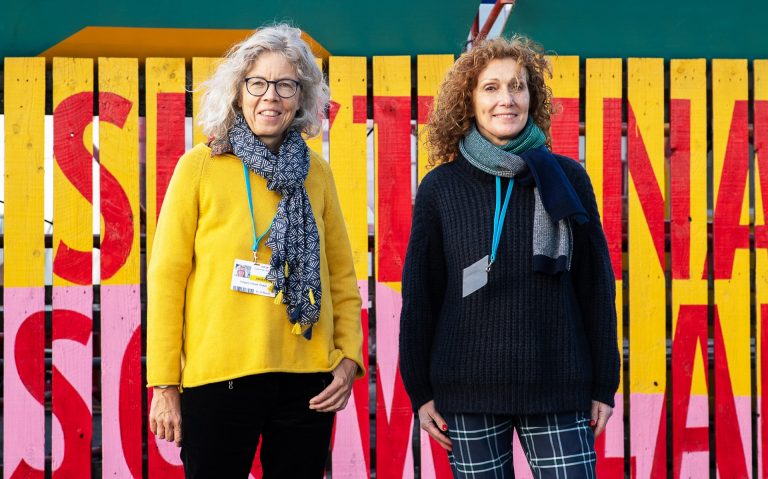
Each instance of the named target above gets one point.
<point>294,238</point>
<point>557,446</point>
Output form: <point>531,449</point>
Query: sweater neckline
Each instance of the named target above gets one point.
<point>468,168</point>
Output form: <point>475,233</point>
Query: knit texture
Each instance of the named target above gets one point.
<point>525,343</point>
<point>222,334</point>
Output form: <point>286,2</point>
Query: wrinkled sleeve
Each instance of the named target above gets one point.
<point>347,328</point>
<point>171,262</point>
<point>424,282</point>
<point>595,287</point>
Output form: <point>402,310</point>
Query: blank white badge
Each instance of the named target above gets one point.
<point>475,277</point>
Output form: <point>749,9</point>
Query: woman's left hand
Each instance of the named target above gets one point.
<point>335,396</point>
<point>601,412</point>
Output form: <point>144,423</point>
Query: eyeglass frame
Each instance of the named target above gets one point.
<point>272,82</point>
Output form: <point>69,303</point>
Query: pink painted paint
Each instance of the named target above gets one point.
<point>434,459</point>
<point>394,418</point>
<point>519,461</point>
<point>121,380</point>
<point>388,305</point>
<point>744,417</point>
<point>609,446</point>
<point>23,413</point>
<point>350,452</point>
<point>696,463</point>
<point>72,388</point>
<point>645,415</point>
<point>348,455</point>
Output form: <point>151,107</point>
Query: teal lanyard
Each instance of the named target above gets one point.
<point>498,217</point>
<point>256,237</point>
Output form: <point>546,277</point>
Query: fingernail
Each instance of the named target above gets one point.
<point>592,422</point>
<point>445,427</point>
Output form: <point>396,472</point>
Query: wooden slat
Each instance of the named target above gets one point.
<point>23,274</point>
<point>316,142</point>
<point>72,265</point>
<point>605,168</point>
<point>391,115</point>
<point>202,69</point>
<point>165,144</point>
<point>120,268</point>
<point>760,68</point>
<point>730,242</point>
<point>348,80</point>
<point>165,112</point>
<point>431,70</point>
<point>688,252</point>
<point>647,305</point>
<point>565,100</point>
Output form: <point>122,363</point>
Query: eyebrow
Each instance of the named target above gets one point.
<point>518,79</point>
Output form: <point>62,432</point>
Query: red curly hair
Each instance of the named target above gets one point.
<point>454,111</point>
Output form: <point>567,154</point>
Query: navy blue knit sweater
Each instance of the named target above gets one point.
<point>525,343</point>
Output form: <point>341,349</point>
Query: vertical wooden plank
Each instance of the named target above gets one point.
<point>760,68</point>
<point>730,236</point>
<point>348,80</point>
<point>431,70</point>
<point>202,69</point>
<point>604,165</point>
<point>688,252</point>
<point>565,101</point>
<point>165,112</point>
<point>23,274</point>
<point>316,142</point>
<point>647,293</point>
<point>392,124</point>
<point>72,266</point>
<point>120,268</point>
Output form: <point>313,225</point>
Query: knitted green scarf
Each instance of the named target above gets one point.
<point>531,137</point>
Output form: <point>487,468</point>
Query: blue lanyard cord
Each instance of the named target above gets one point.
<point>256,238</point>
<point>498,217</point>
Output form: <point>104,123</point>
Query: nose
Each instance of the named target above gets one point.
<point>271,93</point>
<point>507,97</point>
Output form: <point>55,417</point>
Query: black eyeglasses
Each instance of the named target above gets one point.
<point>285,87</point>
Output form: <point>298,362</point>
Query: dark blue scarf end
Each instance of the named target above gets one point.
<point>548,265</point>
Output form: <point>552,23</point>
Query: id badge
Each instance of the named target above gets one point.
<point>251,278</point>
<point>475,277</point>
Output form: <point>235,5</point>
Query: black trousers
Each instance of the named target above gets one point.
<point>222,423</point>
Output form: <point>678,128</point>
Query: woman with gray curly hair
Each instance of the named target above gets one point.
<point>253,308</point>
<point>509,315</point>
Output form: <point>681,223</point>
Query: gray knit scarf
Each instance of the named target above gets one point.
<point>552,239</point>
<point>294,239</point>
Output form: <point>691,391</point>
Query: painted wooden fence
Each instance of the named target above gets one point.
<point>680,178</point>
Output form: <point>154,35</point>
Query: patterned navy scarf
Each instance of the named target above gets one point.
<point>294,240</point>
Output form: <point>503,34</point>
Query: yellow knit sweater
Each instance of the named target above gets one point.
<point>199,330</point>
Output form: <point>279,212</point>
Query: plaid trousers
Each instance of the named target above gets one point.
<point>557,446</point>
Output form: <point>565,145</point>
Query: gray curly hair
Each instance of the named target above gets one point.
<point>218,106</point>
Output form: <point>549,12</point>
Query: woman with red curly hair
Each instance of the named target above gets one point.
<point>508,319</point>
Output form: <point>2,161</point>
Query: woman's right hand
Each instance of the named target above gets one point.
<point>430,421</point>
<point>165,414</point>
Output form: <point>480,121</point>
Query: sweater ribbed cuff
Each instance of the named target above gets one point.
<point>419,399</point>
<point>604,394</point>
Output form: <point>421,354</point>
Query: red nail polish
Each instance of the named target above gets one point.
<point>592,422</point>
<point>445,427</point>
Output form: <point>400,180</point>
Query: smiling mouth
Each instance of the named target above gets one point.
<point>270,113</point>
<point>506,115</point>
